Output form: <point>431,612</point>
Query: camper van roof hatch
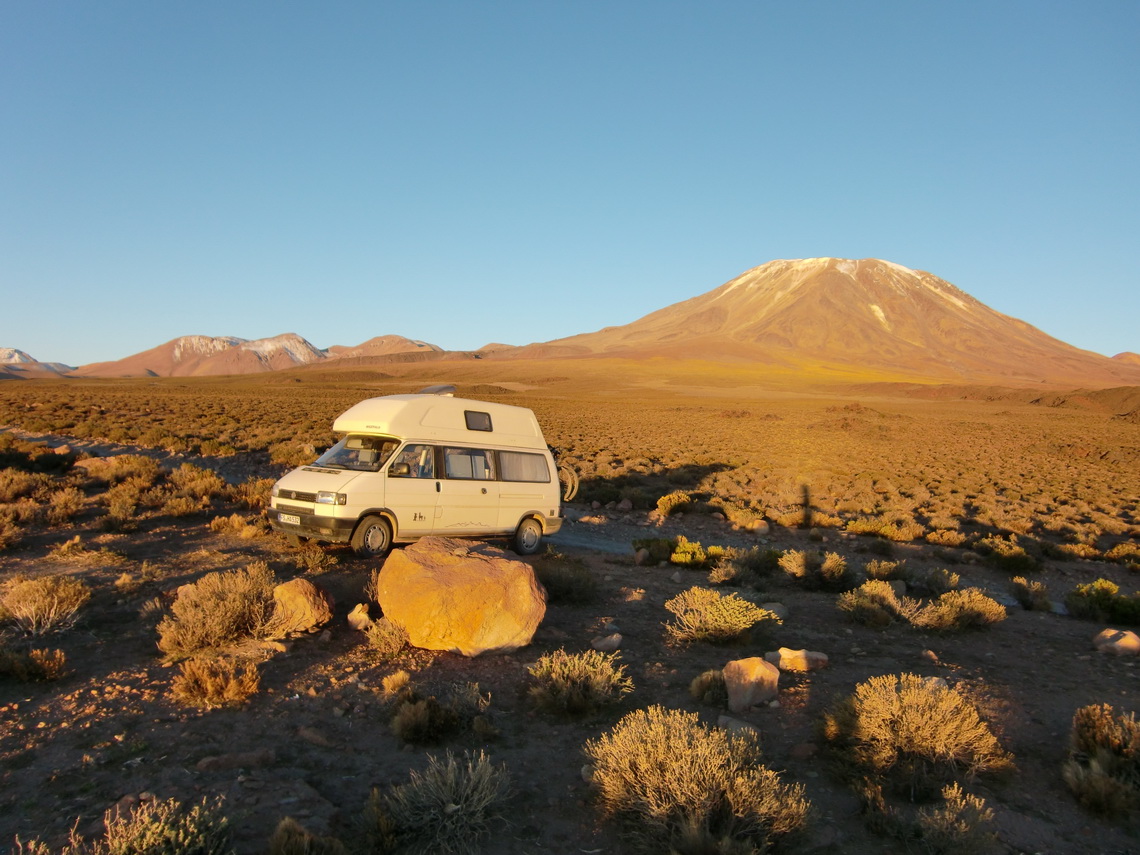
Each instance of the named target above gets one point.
<point>449,391</point>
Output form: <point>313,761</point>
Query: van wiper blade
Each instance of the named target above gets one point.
<point>331,465</point>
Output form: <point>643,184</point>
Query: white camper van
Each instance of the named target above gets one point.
<point>408,466</point>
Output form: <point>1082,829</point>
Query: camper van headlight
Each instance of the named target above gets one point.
<point>327,497</point>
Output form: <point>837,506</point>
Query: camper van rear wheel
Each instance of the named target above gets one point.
<point>372,538</point>
<point>528,536</point>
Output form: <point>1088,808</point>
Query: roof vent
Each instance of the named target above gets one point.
<point>448,391</point>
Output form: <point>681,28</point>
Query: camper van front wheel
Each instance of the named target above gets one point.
<point>528,536</point>
<point>372,538</point>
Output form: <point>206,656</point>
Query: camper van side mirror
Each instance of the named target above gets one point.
<point>400,470</point>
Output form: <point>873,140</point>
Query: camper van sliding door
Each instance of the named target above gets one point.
<point>469,492</point>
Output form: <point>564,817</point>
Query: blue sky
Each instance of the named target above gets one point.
<point>469,172</point>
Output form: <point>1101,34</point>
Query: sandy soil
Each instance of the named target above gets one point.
<point>316,738</point>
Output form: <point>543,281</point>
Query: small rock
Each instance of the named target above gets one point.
<point>1122,642</point>
<point>778,609</point>
<point>607,643</point>
<point>676,577</point>
<point>641,557</point>
<point>735,725</point>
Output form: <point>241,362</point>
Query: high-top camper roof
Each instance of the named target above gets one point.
<point>441,417</point>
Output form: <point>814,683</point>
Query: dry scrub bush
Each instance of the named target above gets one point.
<point>884,570</point>
<point>16,484</point>
<point>64,505</point>
<point>1103,769</point>
<point>426,720</point>
<point>816,571</point>
<point>1102,601</point>
<point>9,533</point>
<point>292,838</point>
<point>254,493</point>
<point>219,610</point>
<point>1033,596</point>
<point>946,537</point>
<point>897,530</point>
<point>932,583</point>
<point>198,483</point>
<point>213,683</point>
<point>151,828</point>
<point>690,553</point>
<point>914,731</point>
<point>961,825</point>
<point>955,611</point>
<point>577,684</point>
<point>710,688</point>
<point>43,605</point>
<point>447,809</point>
<point>386,638</point>
<point>566,579</point>
<point>701,614</point>
<point>181,506</point>
<point>1008,555</point>
<point>873,604</point>
<point>681,786</point>
<point>34,666</point>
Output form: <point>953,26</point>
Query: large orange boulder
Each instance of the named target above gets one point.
<point>460,596</point>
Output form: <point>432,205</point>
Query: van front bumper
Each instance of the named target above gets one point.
<point>312,526</point>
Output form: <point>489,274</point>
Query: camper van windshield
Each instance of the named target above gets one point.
<point>361,453</point>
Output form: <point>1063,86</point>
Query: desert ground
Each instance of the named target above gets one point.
<point>985,484</point>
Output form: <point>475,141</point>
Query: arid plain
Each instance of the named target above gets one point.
<point>984,483</point>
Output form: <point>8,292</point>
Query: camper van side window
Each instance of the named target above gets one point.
<point>520,466</point>
<point>476,420</point>
<point>469,464</point>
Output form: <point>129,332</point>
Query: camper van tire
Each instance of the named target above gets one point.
<point>372,538</point>
<point>528,537</point>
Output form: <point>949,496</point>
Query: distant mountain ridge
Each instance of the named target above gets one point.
<point>847,314</point>
<point>835,315</point>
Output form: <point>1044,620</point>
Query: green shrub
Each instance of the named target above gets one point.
<point>679,785</point>
<point>213,683</point>
<point>1103,767</point>
<point>577,684</point>
<point>45,604</point>
<point>1102,601</point>
<point>219,610</point>
<point>690,553</point>
<point>955,611</point>
<point>447,809</point>
<point>675,502</point>
<point>914,731</point>
<point>701,614</point>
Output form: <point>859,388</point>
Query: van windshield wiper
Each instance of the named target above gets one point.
<point>333,465</point>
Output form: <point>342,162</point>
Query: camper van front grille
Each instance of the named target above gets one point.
<point>297,496</point>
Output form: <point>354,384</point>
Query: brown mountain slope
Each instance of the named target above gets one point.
<point>840,314</point>
<point>381,345</point>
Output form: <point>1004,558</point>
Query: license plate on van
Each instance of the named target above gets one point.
<point>289,519</point>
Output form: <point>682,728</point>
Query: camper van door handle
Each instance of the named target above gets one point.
<point>437,486</point>
<point>484,491</point>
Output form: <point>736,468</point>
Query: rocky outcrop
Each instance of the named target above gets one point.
<point>461,596</point>
<point>750,682</point>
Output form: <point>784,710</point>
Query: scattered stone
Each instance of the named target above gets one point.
<point>625,505</point>
<point>931,656</point>
<point>641,557</point>
<point>759,527</point>
<point>778,609</point>
<point>461,597</point>
<point>898,586</point>
<point>314,737</point>
<point>588,773</point>
<point>607,643</point>
<point>676,577</point>
<point>787,659</point>
<point>1122,642</point>
<point>735,725</point>
<point>750,682</point>
<point>238,760</point>
<point>359,619</point>
<point>299,606</point>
